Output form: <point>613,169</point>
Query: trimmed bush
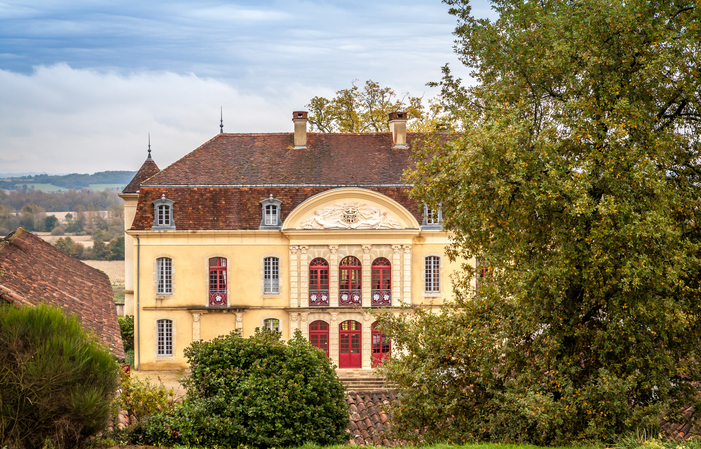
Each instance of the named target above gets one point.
<point>56,381</point>
<point>256,391</point>
<point>141,398</point>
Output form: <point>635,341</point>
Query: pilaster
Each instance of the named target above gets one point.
<point>367,274</point>
<point>366,345</point>
<point>294,324</point>
<point>396,275</point>
<point>303,324</point>
<point>333,278</point>
<point>239,322</point>
<point>196,327</point>
<point>406,296</point>
<point>294,277</point>
<point>333,338</point>
<point>304,277</point>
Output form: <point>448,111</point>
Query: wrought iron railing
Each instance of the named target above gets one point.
<point>318,298</point>
<point>381,297</point>
<point>350,298</point>
<point>217,298</point>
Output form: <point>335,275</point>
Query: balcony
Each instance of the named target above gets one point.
<point>217,298</point>
<point>381,297</point>
<point>350,298</point>
<point>319,298</point>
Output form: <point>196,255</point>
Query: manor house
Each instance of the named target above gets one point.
<point>284,231</point>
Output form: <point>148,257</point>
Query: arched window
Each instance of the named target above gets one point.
<point>432,274</point>
<point>319,335</point>
<point>217,281</point>
<point>272,324</point>
<point>319,282</point>
<point>381,346</point>
<point>164,276</point>
<point>164,337</point>
<point>271,213</point>
<point>381,282</point>
<point>271,275</point>
<point>350,277</point>
<point>349,344</point>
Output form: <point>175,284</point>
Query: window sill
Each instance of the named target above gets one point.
<point>432,294</point>
<point>162,296</point>
<point>271,295</point>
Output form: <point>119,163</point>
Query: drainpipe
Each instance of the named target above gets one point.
<point>138,291</point>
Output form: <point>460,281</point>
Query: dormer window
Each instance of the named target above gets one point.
<point>163,214</point>
<point>271,213</point>
<point>433,216</point>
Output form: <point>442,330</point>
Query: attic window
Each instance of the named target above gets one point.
<point>433,216</point>
<point>271,213</point>
<point>163,214</point>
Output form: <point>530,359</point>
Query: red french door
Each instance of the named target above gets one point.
<point>381,282</point>
<point>381,346</point>
<point>319,282</point>
<point>319,335</point>
<point>349,279</point>
<point>217,281</point>
<point>349,345</point>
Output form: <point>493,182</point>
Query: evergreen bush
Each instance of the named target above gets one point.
<point>56,381</point>
<point>257,391</point>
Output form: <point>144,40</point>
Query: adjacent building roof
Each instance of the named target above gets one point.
<point>369,419</point>
<point>33,271</point>
<point>148,169</point>
<point>330,159</point>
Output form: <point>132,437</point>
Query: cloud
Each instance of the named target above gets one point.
<point>61,119</point>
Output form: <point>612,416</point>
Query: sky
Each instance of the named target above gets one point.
<point>83,83</point>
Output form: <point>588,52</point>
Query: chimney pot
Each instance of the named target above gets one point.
<point>300,120</point>
<point>397,124</point>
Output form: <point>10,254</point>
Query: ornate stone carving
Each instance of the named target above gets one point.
<point>239,317</point>
<point>294,317</point>
<point>334,316</point>
<point>396,248</point>
<point>350,215</point>
<point>196,317</point>
<point>293,249</point>
<point>303,317</point>
<point>367,317</point>
<point>366,249</point>
<point>407,249</point>
<point>333,248</point>
<point>303,249</point>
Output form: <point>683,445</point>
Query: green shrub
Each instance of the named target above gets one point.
<point>256,391</point>
<point>126,327</point>
<point>56,381</point>
<point>142,398</point>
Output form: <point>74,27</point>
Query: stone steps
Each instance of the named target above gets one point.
<point>362,380</point>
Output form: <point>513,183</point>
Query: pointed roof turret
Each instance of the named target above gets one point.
<point>148,169</point>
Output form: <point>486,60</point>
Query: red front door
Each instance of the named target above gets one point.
<point>319,335</point>
<point>381,346</point>
<point>349,345</point>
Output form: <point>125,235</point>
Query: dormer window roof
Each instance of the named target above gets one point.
<point>271,213</point>
<point>163,214</point>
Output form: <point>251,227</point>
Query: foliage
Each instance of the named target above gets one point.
<point>56,380</point>
<point>126,327</point>
<point>576,183</point>
<point>256,391</point>
<point>142,398</point>
<point>68,246</point>
<point>116,248</point>
<point>50,222</point>
<point>357,110</point>
<point>61,201</point>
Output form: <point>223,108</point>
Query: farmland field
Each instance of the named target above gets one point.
<point>113,268</point>
<point>43,187</point>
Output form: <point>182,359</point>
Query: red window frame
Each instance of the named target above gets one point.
<point>319,335</point>
<point>381,346</point>
<point>217,281</point>
<point>350,281</point>
<point>350,344</point>
<point>319,282</point>
<point>381,282</point>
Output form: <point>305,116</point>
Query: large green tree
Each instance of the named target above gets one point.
<point>575,184</point>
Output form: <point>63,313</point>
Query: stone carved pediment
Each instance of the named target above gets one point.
<point>350,215</point>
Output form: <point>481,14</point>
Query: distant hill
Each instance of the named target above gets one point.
<point>113,179</point>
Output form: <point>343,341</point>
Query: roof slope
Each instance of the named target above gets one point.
<point>261,159</point>
<point>34,272</point>
<point>148,169</point>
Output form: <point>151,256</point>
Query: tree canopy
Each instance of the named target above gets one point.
<point>574,182</point>
<point>366,109</point>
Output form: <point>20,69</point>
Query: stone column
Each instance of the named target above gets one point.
<point>333,277</point>
<point>303,324</point>
<point>239,322</point>
<point>304,277</point>
<point>333,338</point>
<point>294,277</point>
<point>367,274</point>
<point>294,324</point>
<point>406,296</point>
<point>366,336</point>
<point>196,327</point>
<point>396,275</point>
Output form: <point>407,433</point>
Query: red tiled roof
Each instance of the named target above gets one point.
<point>263,159</point>
<point>236,208</point>
<point>369,422</point>
<point>35,272</point>
<point>148,169</point>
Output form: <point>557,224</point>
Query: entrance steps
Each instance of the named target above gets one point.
<point>363,380</point>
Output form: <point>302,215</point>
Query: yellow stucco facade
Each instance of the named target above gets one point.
<point>406,245</point>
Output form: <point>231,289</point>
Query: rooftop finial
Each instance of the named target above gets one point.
<point>149,147</point>
<point>221,122</point>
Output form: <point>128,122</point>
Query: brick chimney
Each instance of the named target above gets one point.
<point>300,119</point>
<point>397,124</point>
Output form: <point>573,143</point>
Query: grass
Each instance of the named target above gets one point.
<point>118,291</point>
